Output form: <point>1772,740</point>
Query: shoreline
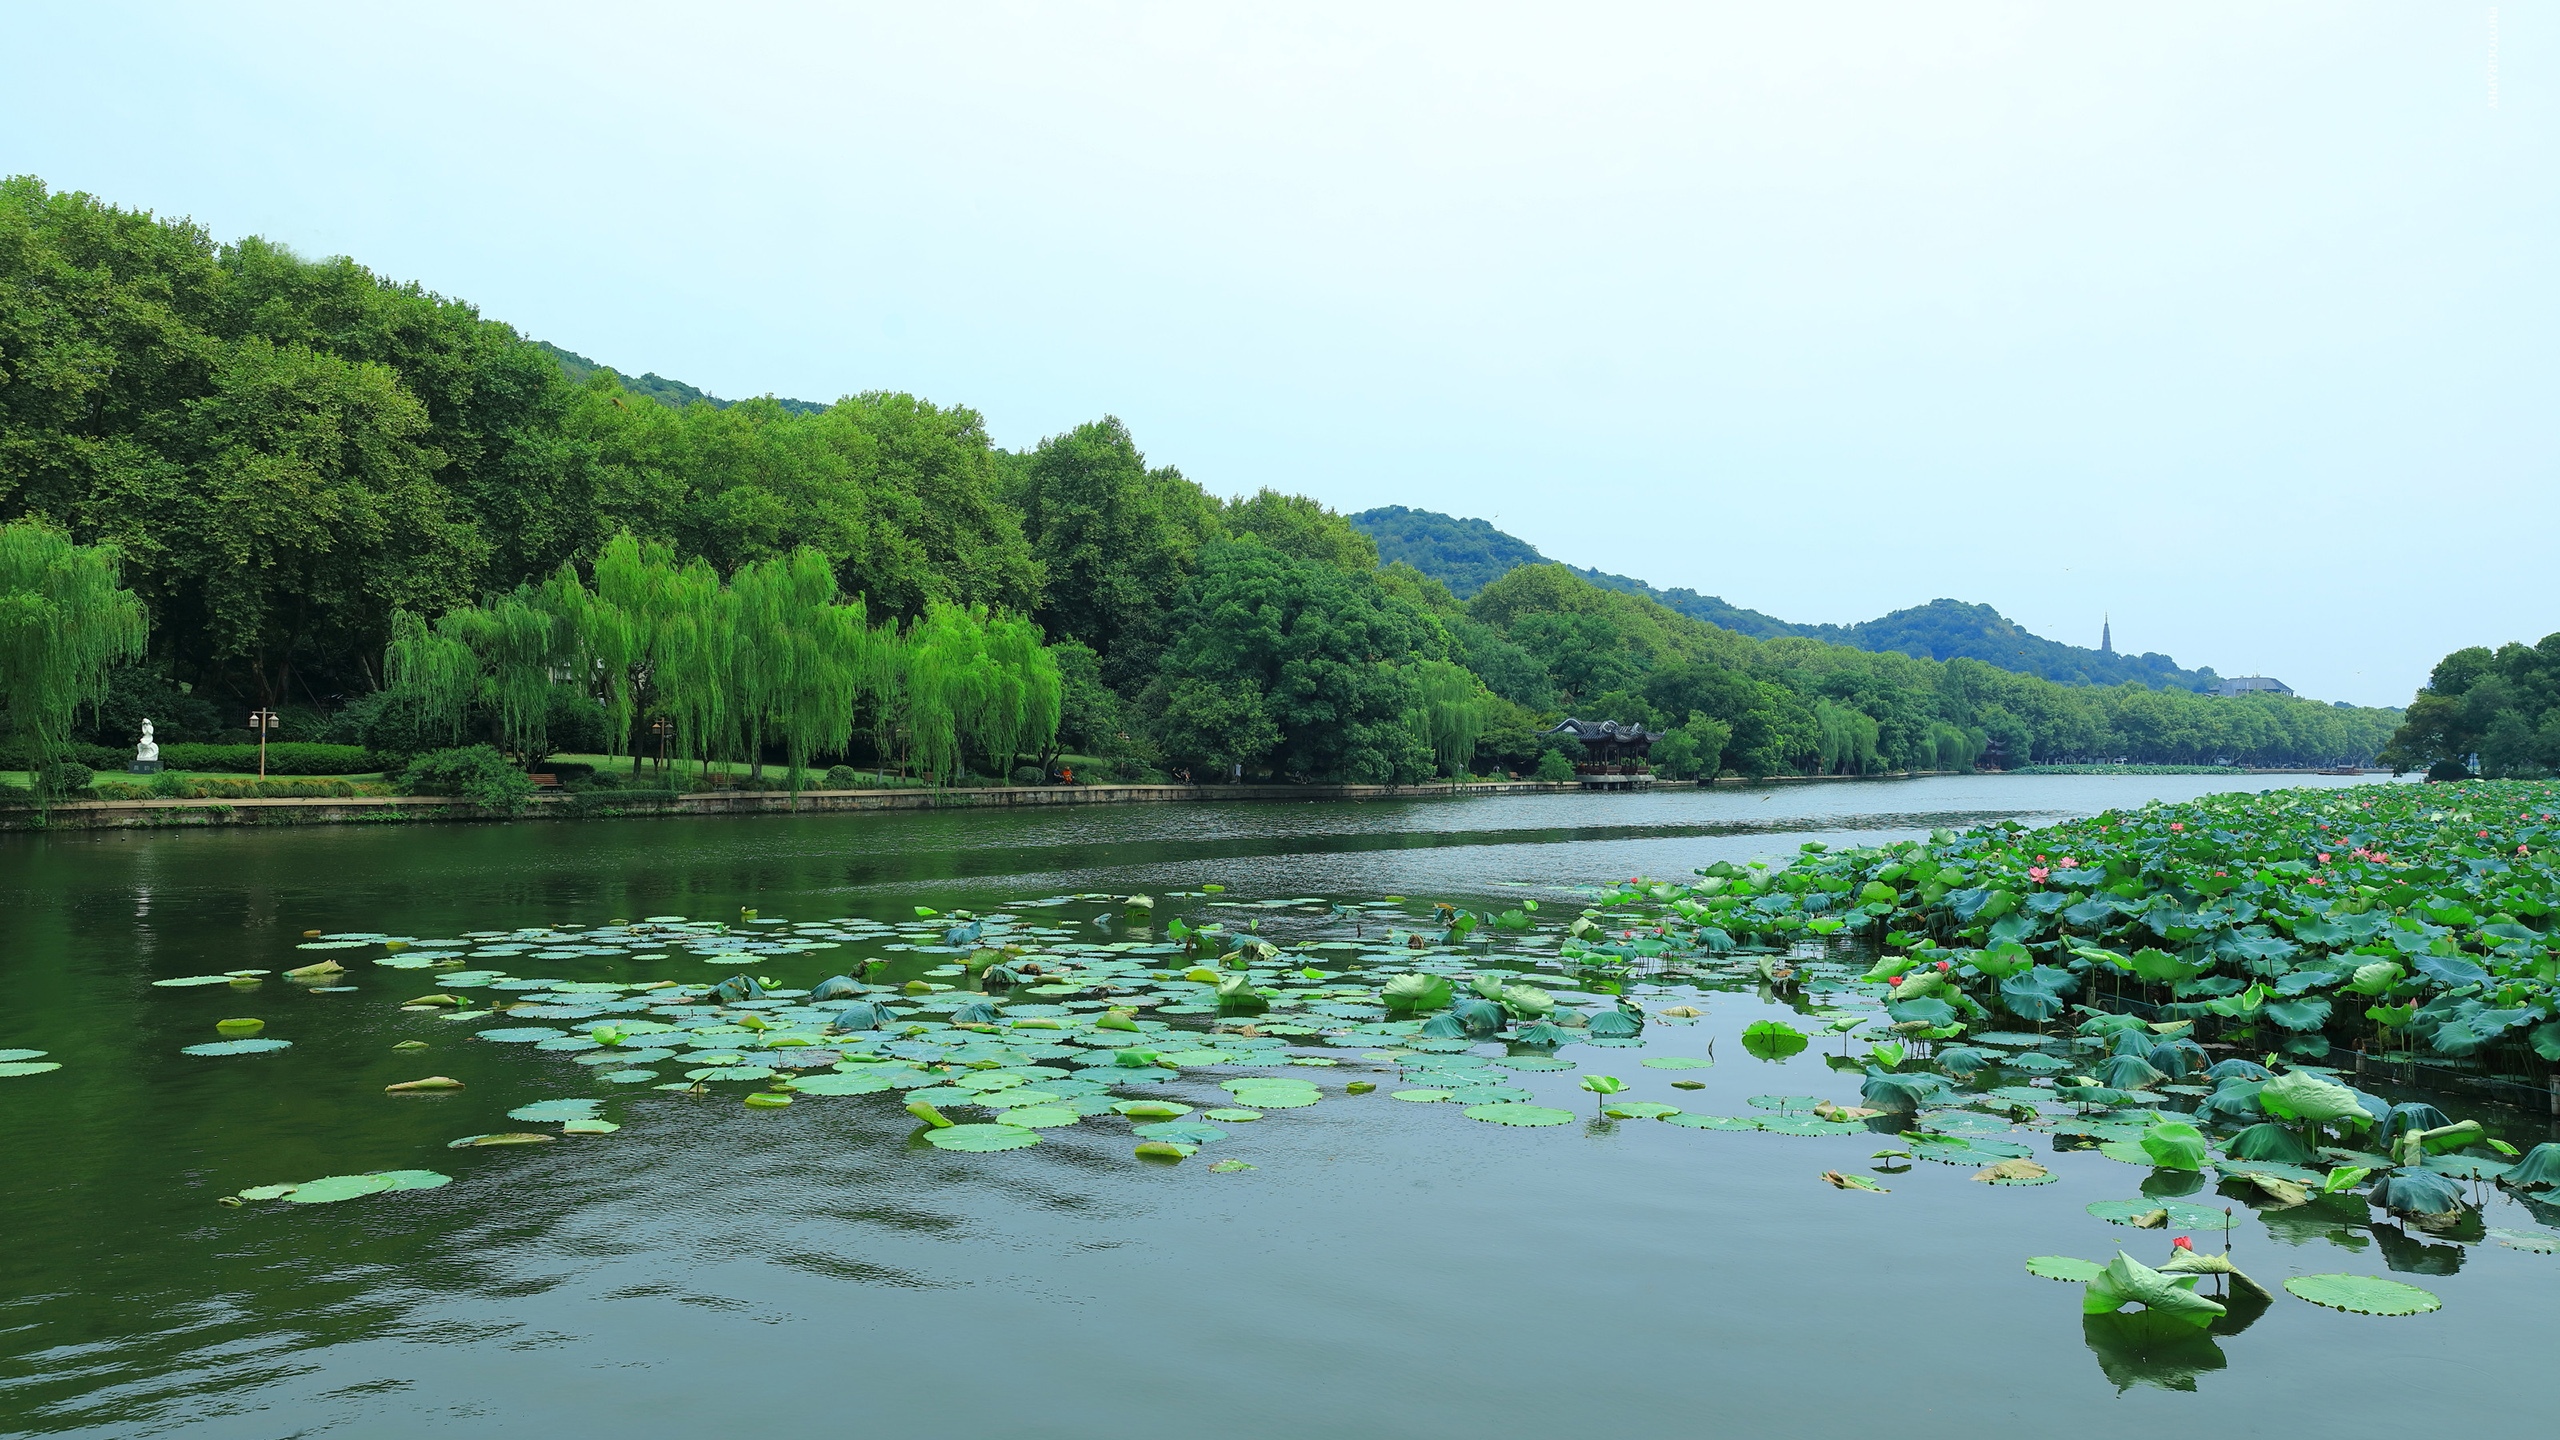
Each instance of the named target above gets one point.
<point>612,804</point>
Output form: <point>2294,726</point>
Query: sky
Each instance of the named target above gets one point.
<point>2232,322</point>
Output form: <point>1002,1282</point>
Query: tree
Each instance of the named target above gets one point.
<point>1114,538</point>
<point>65,621</point>
<point>1297,664</point>
<point>1454,706</point>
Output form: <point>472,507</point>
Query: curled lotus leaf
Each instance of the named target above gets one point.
<point>510,1137</point>
<point>2127,1281</point>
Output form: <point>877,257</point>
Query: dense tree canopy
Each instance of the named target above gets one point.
<point>2499,709</point>
<point>312,472</point>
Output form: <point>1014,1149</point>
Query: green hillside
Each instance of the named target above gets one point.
<point>657,387</point>
<point>1467,555</point>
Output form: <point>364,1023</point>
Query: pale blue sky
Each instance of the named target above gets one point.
<point>2233,320</point>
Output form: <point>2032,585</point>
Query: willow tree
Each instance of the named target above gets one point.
<point>505,655</point>
<point>970,679</point>
<point>1846,739</point>
<point>1454,705</point>
<point>65,618</point>
<point>803,661</point>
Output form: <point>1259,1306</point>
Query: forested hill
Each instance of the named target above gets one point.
<point>1467,555</point>
<point>297,461</point>
<point>657,387</point>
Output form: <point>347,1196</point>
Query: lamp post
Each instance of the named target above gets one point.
<point>263,721</point>
<point>662,727</point>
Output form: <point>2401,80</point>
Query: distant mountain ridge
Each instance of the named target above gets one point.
<point>1466,555</point>
<point>657,387</point>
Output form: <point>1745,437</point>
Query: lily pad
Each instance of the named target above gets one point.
<point>2066,1268</point>
<point>2175,1215</point>
<point>1514,1113</point>
<point>1039,1117</point>
<point>980,1138</point>
<point>839,1084</point>
<point>1676,1062</point>
<point>1180,1132</point>
<point>329,1189</point>
<point>237,1047</point>
<point>1232,1115</point>
<point>1420,1097</point>
<point>2363,1294</point>
<point>1639,1110</point>
<point>511,1137</point>
<point>7,1056</point>
<point>1688,1121</point>
<point>14,1068</point>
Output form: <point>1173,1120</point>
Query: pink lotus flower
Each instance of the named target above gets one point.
<point>2037,873</point>
<point>2522,851</point>
<point>2182,1243</point>
<point>2324,857</point>
<point>2177,825</point>
<point>2070,864</point>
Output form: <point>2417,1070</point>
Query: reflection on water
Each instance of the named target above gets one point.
<point>712,1270</point>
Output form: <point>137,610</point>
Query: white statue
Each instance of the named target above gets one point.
<point>149,749</point>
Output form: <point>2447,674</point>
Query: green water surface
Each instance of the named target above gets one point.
<point>1386,1269</point>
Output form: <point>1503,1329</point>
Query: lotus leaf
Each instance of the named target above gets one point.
<point>2015,1172</point>
<point>1181,1132</point>
<point>1039,1117</point>
<point>12,1069</point>
<point>1512,1113</point>
<point>2363,1294</point>
<point>2538,1170</point>
<point>237,1047</point>
<point>1421,1097</point>
<point>2065,1267</point>
<point>2176,1145</point>
<point>1232,1115</point>
<point>333,1188</point>
<point>2270,1141</point>
<point>981,1138</point>
<point>1710,1122</point>
<point>1773,1039</point>
<point>2416,1192</point>
<point>2127,1281</point>
<point>2301,1095</point>
<point>1639,1110</point>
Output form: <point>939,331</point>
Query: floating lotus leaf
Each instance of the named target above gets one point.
<point>329,1189</point>
<point>730,1072</point>
<point>1232,1115</point>
<point>1167,1150</point>
<point>1784,1103</point>
<point>2466,1167</point>
<point>1486,1094</point>
<point>980,1138</point>
<point>2538,1242</point>
<point>2363,1294</point>
<point>2175,1215</point>
<point>1038,1117</point>
<point>2065,1267</point>
<point>543,1110</point>
<point>1537,1064</point>
<point>628,1077</point>
<point>237,1047</point>
<point>522,1034</point>
<point>12,1069</point>
<point>1152,1109</point>
<point>1422,1097</point>
<point>1688,1121</point>
<point>266,1192</point>
<point>243,1026</point>
<point>1513,1113</point>
<point>1676,1062</point>
<point>1639,1110</point>
<point>1229,1166</point>
<point>1181,1132</point>
<point>7,1056</point>
<point>512,1137</point>
<point>592,1126</point>
<point>2015,1172</point>
<point>187,981</point>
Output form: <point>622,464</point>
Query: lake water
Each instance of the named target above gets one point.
<point>1387,1269</point>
